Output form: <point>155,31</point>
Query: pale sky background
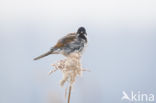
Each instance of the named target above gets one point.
<point>121,53</point>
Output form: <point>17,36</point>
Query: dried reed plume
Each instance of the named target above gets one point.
<point>70,68</point>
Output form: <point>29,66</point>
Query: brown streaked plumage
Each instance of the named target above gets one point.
<point>65,40</point>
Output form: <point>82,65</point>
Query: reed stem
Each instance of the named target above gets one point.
<point>69,94</point>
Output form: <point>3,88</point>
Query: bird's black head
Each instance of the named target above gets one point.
<point>81,31</point>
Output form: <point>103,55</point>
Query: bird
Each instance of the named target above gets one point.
<point>70,43</point>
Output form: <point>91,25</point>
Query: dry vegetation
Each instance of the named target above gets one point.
<point>70,68</point>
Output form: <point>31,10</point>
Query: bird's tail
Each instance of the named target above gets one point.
<point>43,55</point>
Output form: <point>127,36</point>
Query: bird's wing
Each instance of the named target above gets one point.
<point>65,40</point>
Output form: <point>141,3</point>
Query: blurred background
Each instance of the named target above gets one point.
<point>121,53</point>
